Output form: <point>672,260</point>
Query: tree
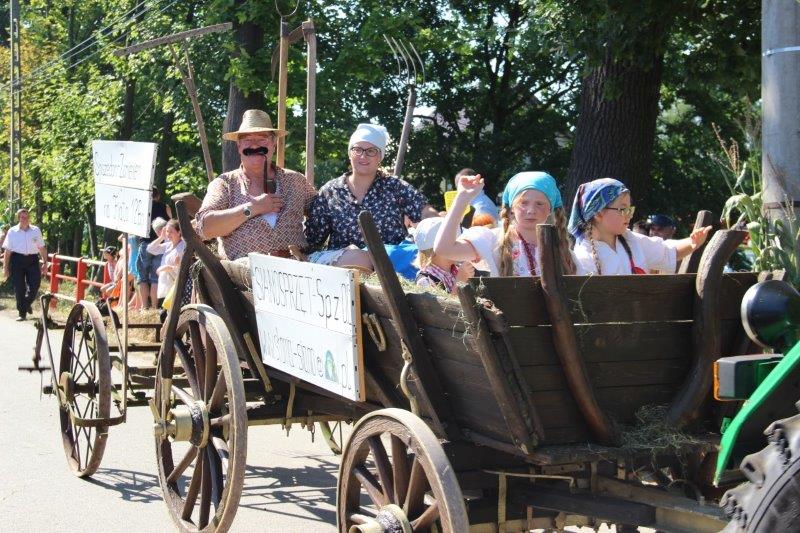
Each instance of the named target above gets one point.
<point>625,46</point>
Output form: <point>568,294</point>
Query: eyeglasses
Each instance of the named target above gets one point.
<point>624,211</point>
<point>370,152</point>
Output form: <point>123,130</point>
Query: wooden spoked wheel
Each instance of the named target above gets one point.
<point>201,429</point>
<point>395,477</point>
<point>84,383</point>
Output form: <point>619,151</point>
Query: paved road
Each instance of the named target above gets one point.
<point>290,484</point>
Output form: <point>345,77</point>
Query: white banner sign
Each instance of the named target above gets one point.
<point>123,209</point>
<point>123,181</point>
<point>124,163</point>
<point>309,322</point>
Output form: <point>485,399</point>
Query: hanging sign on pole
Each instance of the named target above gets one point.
<point>123,181</point>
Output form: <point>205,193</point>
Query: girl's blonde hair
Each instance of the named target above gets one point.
<point>563,242</point>
<point>424,258</point>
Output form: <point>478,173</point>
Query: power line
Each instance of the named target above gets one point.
<point>72,51</point>
<point>41,80</point>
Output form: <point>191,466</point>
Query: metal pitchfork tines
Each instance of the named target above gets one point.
<point>414,77</point>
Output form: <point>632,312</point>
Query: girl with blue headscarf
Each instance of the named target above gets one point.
<point>604,245</point>
<point>511,249</point>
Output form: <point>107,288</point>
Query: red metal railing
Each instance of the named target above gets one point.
<point>80,279</point>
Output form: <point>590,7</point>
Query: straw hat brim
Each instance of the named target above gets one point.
<point>235,135</point>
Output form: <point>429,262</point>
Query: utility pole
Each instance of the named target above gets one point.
<point>15,177</point>
<point>780,83</point>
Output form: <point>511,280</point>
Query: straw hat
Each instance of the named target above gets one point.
<point>253,121</point>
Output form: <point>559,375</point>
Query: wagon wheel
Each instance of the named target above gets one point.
<point>332,435</point>
<point>206,426</point>
<point>412,486</point>
<point>84,383</point>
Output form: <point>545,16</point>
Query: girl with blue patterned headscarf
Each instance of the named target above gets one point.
<point>604,245</point>
<point>529,199</point>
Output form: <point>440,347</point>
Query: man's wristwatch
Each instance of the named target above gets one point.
<point>247,212</point>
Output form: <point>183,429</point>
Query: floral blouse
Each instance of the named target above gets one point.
<point>334,212</point>
<point>258,234</point>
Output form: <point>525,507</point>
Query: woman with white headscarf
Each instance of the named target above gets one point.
<point>332,223</point>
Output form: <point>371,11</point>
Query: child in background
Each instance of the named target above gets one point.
<point>604,245</point>
<point>435,270</point>
<point>111,258</point>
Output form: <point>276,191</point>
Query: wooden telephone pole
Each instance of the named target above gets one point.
<point>780,83</point>
<point>15,177</point>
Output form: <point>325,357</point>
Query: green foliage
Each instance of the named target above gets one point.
<point>502,81</point>
<point>772,243</point>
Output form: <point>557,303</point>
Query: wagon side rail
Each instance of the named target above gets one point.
<point>486,325</point>
<point>419,370</point>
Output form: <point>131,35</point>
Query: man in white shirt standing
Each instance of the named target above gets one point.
<point>22,247</point>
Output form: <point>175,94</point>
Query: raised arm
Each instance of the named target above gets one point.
<point>447,243</point>
<point>684,247</point>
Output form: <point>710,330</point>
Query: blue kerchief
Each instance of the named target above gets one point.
<point>591,198</point>
<point>538,181</point>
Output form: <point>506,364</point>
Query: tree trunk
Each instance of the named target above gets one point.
<point>164,151</point>
<point>616,127</point>
<point>249,37</point>
<point>77,240</point>
<point>126,126</point>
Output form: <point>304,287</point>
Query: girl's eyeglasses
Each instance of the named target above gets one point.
<point>358,151</point>
<point>624,211</point>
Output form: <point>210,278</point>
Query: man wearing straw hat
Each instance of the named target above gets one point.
<point>258,207</point>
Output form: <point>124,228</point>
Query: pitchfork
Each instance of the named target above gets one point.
<point>414,77</point>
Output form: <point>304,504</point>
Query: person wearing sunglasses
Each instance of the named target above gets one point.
<point>601,213</point>
<point>332,222</point>
<point>258,207</point>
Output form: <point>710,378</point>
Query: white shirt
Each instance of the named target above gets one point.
<point>487,243</point>
<point>26,242</point>
<point>649,253</point>
<point>170,255</point>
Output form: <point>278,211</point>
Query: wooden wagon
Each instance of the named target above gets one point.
<point>501,410</point>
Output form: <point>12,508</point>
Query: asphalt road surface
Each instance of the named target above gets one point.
<point>290,482</point>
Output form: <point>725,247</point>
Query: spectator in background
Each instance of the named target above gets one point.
<point>170,247</point>
<point>482,203</point>
<point>111,257</point>
<point>661,226</point>
<point>146,263</point>
<point>23,246</point>
<point>642,227</point>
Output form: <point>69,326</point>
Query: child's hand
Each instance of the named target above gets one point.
<point>465,271</point>
<point>699,237</point>
<point>470,186</point>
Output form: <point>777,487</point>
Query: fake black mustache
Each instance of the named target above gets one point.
<point>261,150</point>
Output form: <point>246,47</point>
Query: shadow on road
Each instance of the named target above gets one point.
<point>131,485</point>
<point>312,488</point>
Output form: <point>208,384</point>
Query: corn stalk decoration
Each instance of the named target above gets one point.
<point>772,244</point>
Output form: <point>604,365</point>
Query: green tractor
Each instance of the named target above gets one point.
<point>770,383</point>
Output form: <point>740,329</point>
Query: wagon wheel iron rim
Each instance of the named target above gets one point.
<point>85,383</point>
<point>202,489</point>
<point>395,463</point>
